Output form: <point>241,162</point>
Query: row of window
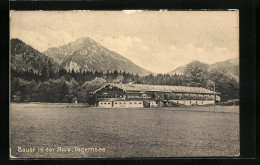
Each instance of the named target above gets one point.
<point>170,97</point>
<point>187,98</point>
<point>188,94</point>
<point>190,102</point>
<point>104,103</point>
<point>136,102</point>
<point>129,102</point>
<point>109,96</point>
<point>124,103</point>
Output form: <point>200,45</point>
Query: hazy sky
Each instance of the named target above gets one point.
<point>158,41</point>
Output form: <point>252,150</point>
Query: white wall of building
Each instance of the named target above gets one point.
<point>120,104</point>
<point>105,104</point>
<point>128,104</point>
<point>193,102</point>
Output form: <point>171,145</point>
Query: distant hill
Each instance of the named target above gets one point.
<point>24,57</point>
<point>87,54</point>
<point>231,66</point>
<point>179,70</point>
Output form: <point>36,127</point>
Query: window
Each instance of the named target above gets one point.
<point>101,103</point>
<point>115,102</point>
<point>140,102</point>
<point>120,103</point>
<point>178,102</point>
<point>105,103</point>
<point>108,103</point>
<point>190,102</point>
<point>196,102</point>
<point>130,102</point>
<point>135,102</point>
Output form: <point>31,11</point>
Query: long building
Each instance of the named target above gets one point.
<point>140,95</point>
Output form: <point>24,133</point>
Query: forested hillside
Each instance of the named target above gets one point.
<point>26,58</point>
<point>38,78</point>
<point>66,86</point>
<point>230,67</point>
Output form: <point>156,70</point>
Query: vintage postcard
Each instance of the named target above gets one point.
<point>124,84</point>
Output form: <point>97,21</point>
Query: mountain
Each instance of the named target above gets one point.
<point>24,57</point>
<point>87,54</point>
<point>231,66</point>
<point>179,70</point>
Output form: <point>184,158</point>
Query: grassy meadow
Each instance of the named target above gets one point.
<point>68,131</point>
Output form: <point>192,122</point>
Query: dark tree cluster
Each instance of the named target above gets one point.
<point>60,86</point>
<point>53,90</point>
<point>68,86</point>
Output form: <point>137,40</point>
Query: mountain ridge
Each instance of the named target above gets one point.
<point>87,54</point>
<point>230,65</point>
<point>25,58</point>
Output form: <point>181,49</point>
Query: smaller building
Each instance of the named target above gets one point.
<point>231,102</point>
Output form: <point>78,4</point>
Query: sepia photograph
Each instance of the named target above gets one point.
<point>124,84</point>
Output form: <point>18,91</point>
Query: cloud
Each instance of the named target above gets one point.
<point>174,56</point>
<point>147,38</point>
<point>132,48</point>
<point>164,58</point>
<point>158,58</point>
<point>44,37</point>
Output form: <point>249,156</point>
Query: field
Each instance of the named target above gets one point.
<point>78,130</point>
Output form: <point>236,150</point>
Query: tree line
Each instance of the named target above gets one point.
<point>69,86</point>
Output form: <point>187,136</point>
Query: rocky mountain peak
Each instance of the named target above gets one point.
<point>87,54</point>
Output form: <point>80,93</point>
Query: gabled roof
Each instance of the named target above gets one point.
<point>159,88</point>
